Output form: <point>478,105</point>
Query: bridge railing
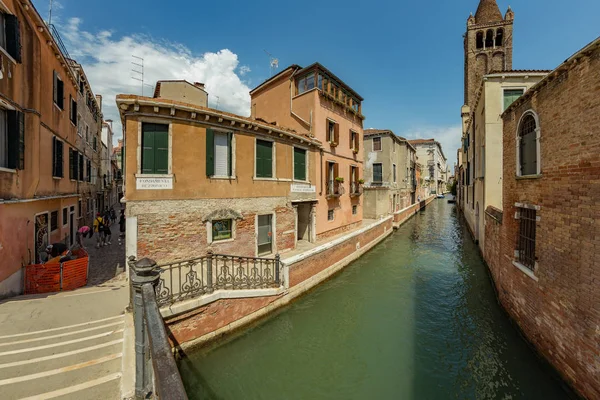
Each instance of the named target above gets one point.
<point>199,276</point>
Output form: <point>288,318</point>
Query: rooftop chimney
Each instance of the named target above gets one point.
<point>198,84</point>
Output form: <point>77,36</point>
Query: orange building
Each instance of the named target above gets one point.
<point>314,102</point>
<point>41,162</point>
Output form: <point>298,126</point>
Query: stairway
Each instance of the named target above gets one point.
<point>78,361</point>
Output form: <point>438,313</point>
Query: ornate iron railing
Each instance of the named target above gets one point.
<point>335,189</point>
<point>203,275</point>
<point>355,189</point>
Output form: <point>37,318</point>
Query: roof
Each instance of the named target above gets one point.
<point>417,142</point>
<point>126,99</point>
<point>157,88</point>
<point>299,70</point>
<point>566,65</point>
<point>488,11</point>
<point>520,71</point>
<point>389,132</point>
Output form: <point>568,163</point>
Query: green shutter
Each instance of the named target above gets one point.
<point>229,159</point>
<point>264,159</point>
<point>161,150</point>
<point>210,152</point>
<point>299,164</point>
<point>148,149</point>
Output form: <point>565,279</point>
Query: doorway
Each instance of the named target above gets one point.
<point>72,227</point>
<point>40,236</point>
<point>265,234</point>
<point>304,221</point>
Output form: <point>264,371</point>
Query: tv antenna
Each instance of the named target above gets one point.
<point>140,74</point>
<point>217,106</point>
<point>273,62</point>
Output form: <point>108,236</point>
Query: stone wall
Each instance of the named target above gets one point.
<point>557,304</point>
<point>404,215</point>
<point>224,316</point>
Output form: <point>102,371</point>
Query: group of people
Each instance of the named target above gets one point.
<point>101,228</point>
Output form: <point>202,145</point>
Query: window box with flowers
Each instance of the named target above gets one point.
<point>355,151</point>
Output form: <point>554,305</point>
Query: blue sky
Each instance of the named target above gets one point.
<point>404,58</point>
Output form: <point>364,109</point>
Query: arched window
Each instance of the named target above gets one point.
<point>489,39</point>
<point>479,40</point>
<point>499,37</point>
<point>528,146</point>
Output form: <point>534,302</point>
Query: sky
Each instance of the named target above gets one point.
<point>404,58</point>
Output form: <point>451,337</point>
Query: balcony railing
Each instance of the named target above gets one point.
<point>356,189</point>
<point>335,189</point>
<point>203,275</point>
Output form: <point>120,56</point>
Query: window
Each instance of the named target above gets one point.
<point>354,209</point>
<point>332,132</point>
<point>330,215</point>
<point>221,229</point>
<point>264,159</point>
<point>479,40</point>
<point>10,35</point>
<point>73,110</point>
<point>510,95</point>
<point>79,125</point>
<point>12,139</point>
<point>489,39</point>
<point>306,83</point>
<point>394,171</point>
<point>354,141</point>
<point>378,173</point>
<point>80,167</point>
<point>299,164</point>
<point>87,133</point>
<point>526,239</point>
<point>58,92</point>
<point>53,221</point>
<point>265,234</point>
<point>155,149</point>
<point>219,153</point>
<point>95,144</point>
<point>57,158</point>
<point>332,173</point>
<point>376,144</point>
<point>81,86</point>
<point>499,37</point>
<point>528,146</point>
<point>320,81</point>
<point>89,170</point>
<point>73,164</point>
<point>65,214</point>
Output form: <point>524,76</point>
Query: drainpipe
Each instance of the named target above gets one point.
<point>321,192</point>
<point>291,108</point>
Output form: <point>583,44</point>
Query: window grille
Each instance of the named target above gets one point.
<point>526,237</point>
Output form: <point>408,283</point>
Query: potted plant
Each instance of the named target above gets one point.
<point>339,179</point>
<point>355,151</point>
<point>361,181</point>
<point>333,143</point>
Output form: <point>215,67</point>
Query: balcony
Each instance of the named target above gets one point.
<point>334,189</point>
<point>355,189</point>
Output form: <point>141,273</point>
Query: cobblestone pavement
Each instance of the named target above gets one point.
<point>107,261</point>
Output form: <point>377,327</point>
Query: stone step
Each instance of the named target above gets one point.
<point>60,379</point>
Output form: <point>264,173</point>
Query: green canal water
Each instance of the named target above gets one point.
<point>415,318</point>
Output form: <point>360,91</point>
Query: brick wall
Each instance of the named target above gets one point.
<point>560,312</point>
<point>404,215</point>
<point>338,231</point>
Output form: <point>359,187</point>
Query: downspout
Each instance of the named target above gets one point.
<point>321,192</point>
<point>292,110</point>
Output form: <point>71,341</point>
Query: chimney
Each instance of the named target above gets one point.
<point>199,85</point>
<point>99,100</point>
<point>109,122</point>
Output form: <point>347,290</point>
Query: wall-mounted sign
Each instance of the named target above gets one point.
<point>303,188</point>
<point>154,183</point>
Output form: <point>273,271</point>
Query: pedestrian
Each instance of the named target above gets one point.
<point>56,249</point>
<point>99,229</point>
<point>113,216</point>
<point>122,221</point>
<point>107,232</point>
<point>82,233</point>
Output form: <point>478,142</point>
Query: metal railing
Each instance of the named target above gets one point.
<point>59,41</point>
<point>203,275</point>
<point>335,189</point>
<point>355,189</point>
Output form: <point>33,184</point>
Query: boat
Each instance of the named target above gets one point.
<point>452,200</point>
<point>440,196</point>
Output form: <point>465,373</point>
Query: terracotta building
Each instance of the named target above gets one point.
<point>200,179</point>
<point>542,247</point>
<point>43,165</point>
<point>315,103</point>
<point>390,173</point>
<point>433,162</point>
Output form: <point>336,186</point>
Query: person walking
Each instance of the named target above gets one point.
<point>107,231</point>
<point>82,233</point>
<point>99,230</point>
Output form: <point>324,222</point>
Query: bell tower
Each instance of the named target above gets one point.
<point>487,45</point>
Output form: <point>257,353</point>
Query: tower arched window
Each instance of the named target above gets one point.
<point>528,145</point>
<point>499,37</point>
<point>479,40</point>
<point>489,39</point>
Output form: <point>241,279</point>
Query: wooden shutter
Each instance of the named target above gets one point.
<point>60,93</point>
<point>59,158</point>
<point>230,154</point>
<point>89,168</point>
<point>13,36</point>
<point>81,167</point>
<point>210,152</point>
<point>161,150</point>
<point>71,167</point>
<point>54,151</point>
<point>148,149</point>
<point>75,165</point>
<point>264,159</point>
<point>299,164</point>
<point>16,139</point>
<point>336,171</point>
<point>55,87</point>
<point>336,133</point>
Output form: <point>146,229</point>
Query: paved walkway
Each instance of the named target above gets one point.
<point>67,345</point>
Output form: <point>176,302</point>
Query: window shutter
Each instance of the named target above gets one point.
<point>351,144</point>
<point>336,133</point>
<point>264,159</point>
<point>210,152</point>
<point>75,165</point>
<point>13,36</point>
<point>59,158</point>
<point>60,93</point>
<point>148,149</point>
<point>161,152</point>
<point>230,151</point>
<point>89,168</point>
<point>71,169</point>
<point>81,167</point>
<point>16,139</point>
<point>54,152</point>
<point>328,173</point>
<point>299,164</point>
<point>55,87</point>
<point>336,171</point>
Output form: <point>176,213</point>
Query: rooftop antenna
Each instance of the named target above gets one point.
<point>50,13</point>
<point>140,74</point>
<point>273,62</point>
<point>217,107</point>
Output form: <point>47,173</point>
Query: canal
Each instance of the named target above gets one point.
<point>415,318</point>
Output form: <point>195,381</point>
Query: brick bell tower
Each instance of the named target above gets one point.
<point>488,45</point>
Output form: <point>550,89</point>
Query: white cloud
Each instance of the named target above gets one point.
<point>107,62</point>
<point>448,136</point>
<point>244,69</point>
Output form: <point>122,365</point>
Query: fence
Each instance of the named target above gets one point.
<point>55,277</point>
<point>198,276</point>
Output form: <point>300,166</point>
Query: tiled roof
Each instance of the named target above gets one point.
<point>382,132</point>
<point>276,76</point>
<point>421,141</point>
<point>487,11</point>
<point>520,71</point>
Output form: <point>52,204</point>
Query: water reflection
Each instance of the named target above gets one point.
<point>416,318</point>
